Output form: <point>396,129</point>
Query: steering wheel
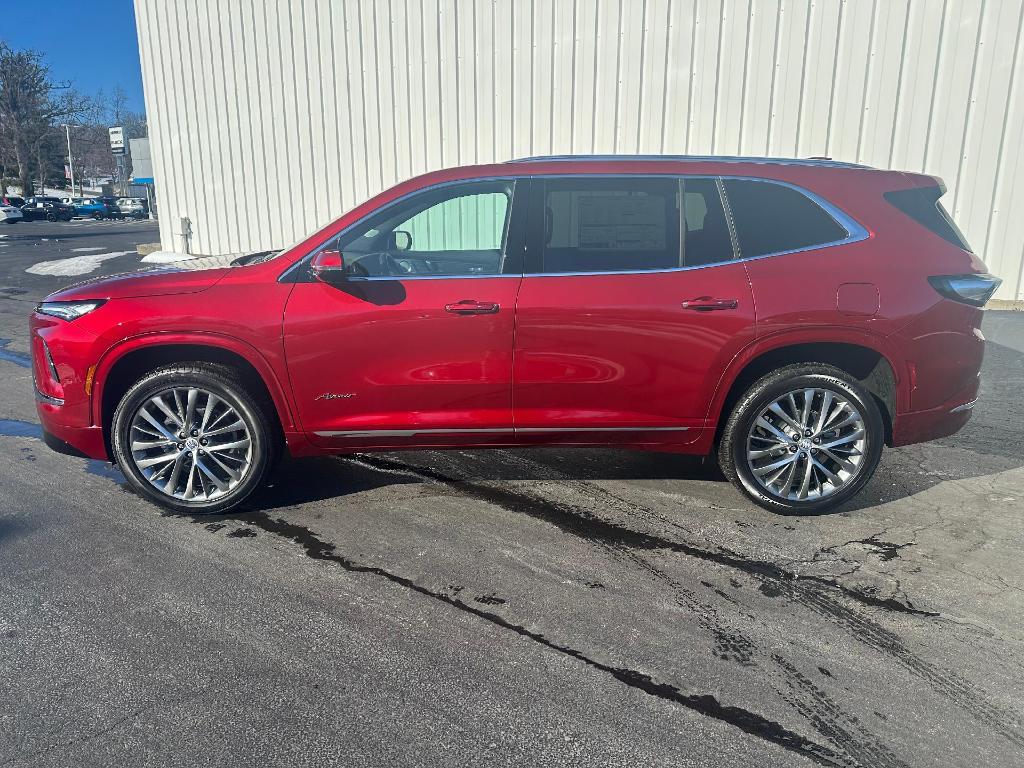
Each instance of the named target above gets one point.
<point>383,262</point>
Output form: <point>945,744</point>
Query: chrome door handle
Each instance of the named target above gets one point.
<point>472,307</point>
<point>709,304</point>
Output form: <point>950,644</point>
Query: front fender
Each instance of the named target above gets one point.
<point>246,351</point>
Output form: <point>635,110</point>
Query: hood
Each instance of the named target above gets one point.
<point>155,282</point>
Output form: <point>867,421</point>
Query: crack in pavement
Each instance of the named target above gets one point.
<point>886,550</point>
<point>110,727</point>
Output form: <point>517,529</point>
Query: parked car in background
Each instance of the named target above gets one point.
<point>87,207</point>
<point>789,317</point>
<point>113,209</point>
<point>9,214</point>
<point>12,201</point>
<point>49,208</point>
<point>133,207</point>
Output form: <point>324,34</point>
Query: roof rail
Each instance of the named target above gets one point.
<point>813,161</point>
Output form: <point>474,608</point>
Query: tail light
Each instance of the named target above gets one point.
<point>967,289</point>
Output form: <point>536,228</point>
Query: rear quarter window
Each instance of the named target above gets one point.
<point>923,206</point>
<point>773,218</point>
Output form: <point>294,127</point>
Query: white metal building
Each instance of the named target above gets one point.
<point>271,117</point>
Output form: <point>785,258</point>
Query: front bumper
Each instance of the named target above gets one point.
<point>61,352</point>
<point>87,440</point>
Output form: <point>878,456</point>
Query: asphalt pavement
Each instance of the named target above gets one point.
<point>509,607</point>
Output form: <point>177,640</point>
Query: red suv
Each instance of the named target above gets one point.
<point>789,316</point>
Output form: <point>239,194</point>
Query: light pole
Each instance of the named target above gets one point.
<point>71,163</point>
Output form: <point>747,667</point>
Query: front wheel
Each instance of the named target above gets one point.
<point>191,438</point>
<point>51,217</point>
<point>803,439</point>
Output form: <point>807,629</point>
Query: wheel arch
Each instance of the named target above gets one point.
<point>862,356</point>
<point>121,366</point>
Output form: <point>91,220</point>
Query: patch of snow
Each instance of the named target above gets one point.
<point>85,250</point>
<point>166,257</point>
<point>76,265</point>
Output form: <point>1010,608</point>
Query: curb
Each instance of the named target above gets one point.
<point>1007,304</point>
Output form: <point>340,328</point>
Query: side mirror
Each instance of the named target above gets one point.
<point>329,267</point>
<point>399,240</point>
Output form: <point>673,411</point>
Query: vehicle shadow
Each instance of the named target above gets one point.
<point>301,481</point>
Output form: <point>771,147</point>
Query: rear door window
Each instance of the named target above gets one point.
<point>774,218</point>
<point>618,224</point>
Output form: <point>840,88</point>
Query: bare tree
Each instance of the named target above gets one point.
<point>31,105</point>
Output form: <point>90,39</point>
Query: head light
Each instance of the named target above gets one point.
<point>68,310</point>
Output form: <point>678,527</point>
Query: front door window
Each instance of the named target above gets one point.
<point>450,231</point>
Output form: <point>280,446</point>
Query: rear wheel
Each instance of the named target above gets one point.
<point>803,439</point>
<point>51,217</point>
<point>191,438</point>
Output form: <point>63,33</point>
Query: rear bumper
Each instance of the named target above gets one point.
<point>921,426</point>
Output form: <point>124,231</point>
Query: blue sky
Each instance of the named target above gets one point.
<point>92,43</point>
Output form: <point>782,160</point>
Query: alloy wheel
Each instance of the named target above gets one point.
<point>190,443</point>
<point>806,445</point>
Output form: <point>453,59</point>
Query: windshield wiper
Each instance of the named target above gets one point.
<point>254,258</point>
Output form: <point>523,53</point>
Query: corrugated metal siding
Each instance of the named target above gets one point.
<point>270,118</point>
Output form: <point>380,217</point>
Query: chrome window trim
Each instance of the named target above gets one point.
<point>854,230</point>
<point>393,278</point>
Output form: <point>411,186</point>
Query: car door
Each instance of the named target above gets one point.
<point>629,310</point>
<point>415,345</point>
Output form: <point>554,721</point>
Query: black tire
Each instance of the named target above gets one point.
<point>97,217</point>
<point>732,448</point>
<point>51,217</point>
<point>225,383</point>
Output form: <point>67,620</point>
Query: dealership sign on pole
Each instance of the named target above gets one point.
<point>117,140</point>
